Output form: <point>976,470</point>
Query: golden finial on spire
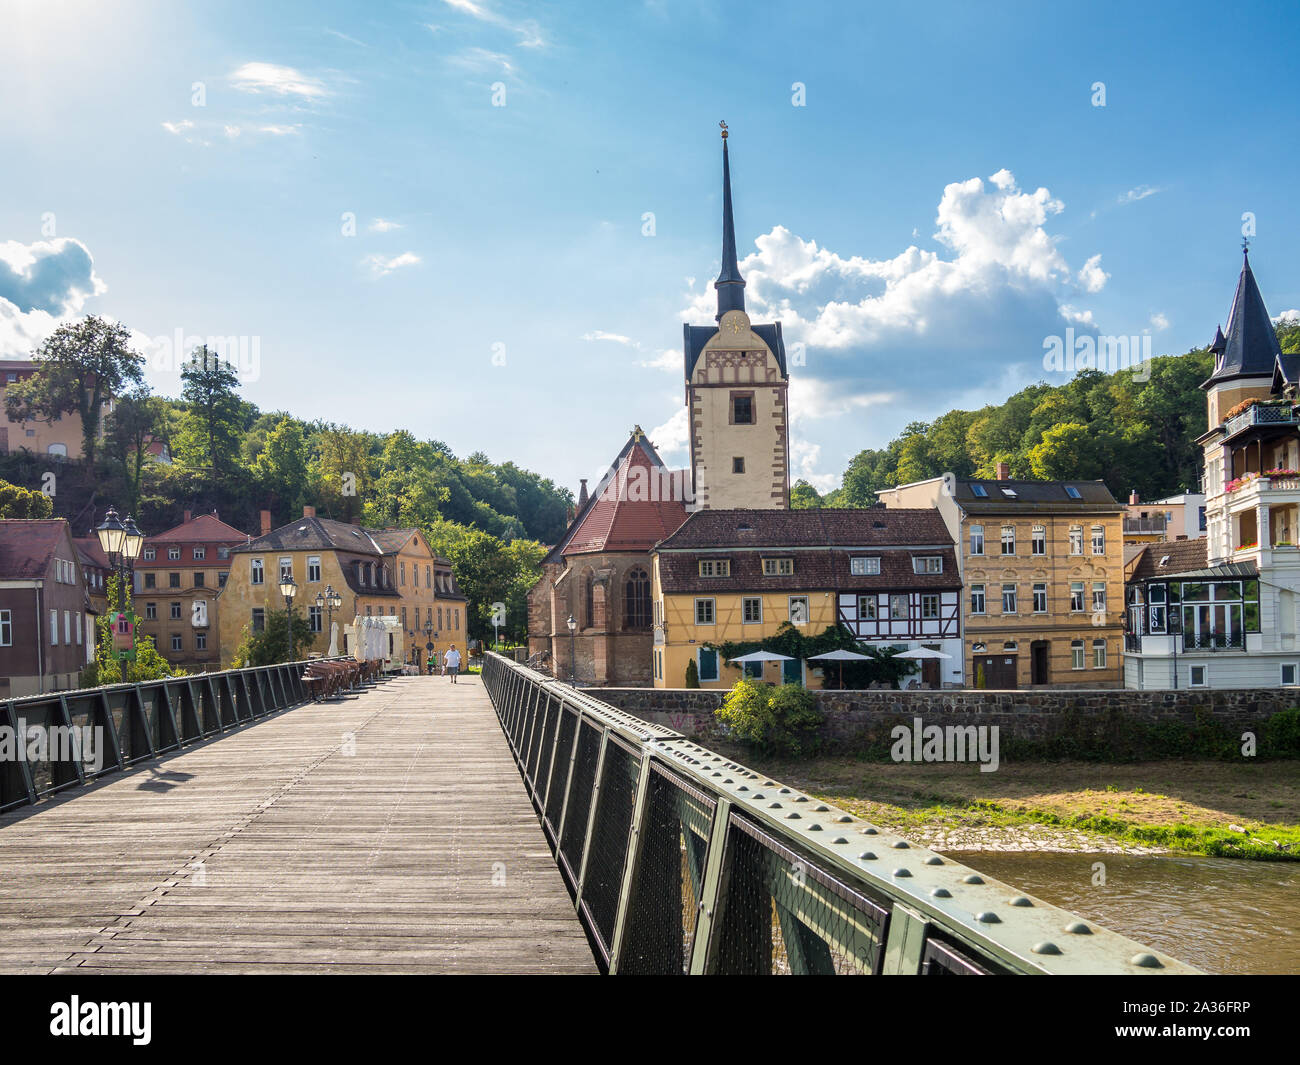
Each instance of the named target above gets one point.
<point>724,130</point>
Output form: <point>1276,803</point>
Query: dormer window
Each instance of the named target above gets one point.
<point>778,567</point>
<point>715,567</point>
<point>927,563</point>
<point>864,566</point>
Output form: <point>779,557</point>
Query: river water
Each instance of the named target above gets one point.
<point>1218,914</point>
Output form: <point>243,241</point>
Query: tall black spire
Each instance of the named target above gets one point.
<point>1250,347</point>
<point>730,285</point>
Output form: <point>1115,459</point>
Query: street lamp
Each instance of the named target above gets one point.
<point>121,542</point>
<point>288,589</point>
<point>573,654</point>
<point>428,642</point>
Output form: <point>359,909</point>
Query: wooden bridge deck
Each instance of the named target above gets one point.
<point>286,848</point>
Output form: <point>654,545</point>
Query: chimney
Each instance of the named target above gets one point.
<point>1004,471</point>
<point>308,512</point>
<point>582,494</point>
<point>266,522</point>
<point>1133,498</point>
<point>189,514</point>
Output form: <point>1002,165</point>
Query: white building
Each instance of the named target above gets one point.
<point>1226,618</point>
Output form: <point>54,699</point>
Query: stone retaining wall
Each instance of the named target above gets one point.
<point>858,718</point>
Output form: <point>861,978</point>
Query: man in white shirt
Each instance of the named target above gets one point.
<point>452,660</point>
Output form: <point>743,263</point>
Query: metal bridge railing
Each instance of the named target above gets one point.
<point>681,861</point>
<point>44,751</point>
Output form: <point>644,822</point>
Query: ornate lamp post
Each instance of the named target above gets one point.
<point>122,542</point>
<point>573,654</point>
<point>288,589</point>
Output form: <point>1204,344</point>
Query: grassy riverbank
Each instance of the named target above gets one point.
<point>1236,810</point>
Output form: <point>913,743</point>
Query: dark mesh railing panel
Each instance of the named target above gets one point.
<point>665,898</point>
<point>536,731</point>
<point>579,803</point>
<point>546,748</point>
<point>602,879</point>
<point>782,914</point>
<point>560,772</point>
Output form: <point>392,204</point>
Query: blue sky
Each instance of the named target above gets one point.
<point>946,197</point>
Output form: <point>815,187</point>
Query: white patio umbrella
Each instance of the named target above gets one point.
<point>760,657</point>
<point>921,652</point>
<point>841,656</point>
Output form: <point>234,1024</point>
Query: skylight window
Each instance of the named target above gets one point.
<point>1010,493</point>
<point>1072,492</point>
<point>978,489</point>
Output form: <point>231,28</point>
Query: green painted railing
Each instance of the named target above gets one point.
<point>133,723</point>
<point>682,861</point>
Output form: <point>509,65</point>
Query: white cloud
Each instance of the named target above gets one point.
<point>383,225</point>
<point>232,131</point>
<point>383,265</point>
<point>280,131</point>
<point>617,338</point>
<point>1158,322</point>
<point>481,59</point>
<point>1092,277</point>
<point>278,81</point>
<point>42,285</point>
<point>530,35</point>
<point>1139,193</point>
<point>1292,314</point>
<point>672,439</point>
<point>178,128</point>
<point>885,341</point>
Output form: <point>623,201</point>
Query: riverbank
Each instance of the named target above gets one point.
<point>1221,809</point>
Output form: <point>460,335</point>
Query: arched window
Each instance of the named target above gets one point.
<point>58,450</point>
<point>636,600</point>
<point>589,600</point>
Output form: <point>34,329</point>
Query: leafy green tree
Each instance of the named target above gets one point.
<point>340,471</point>
<point>107,669</point>
<point>271,645</point>
<point>692,674</point>
<point>213,425</point>
<point>282,463</point>
<point>127,433</point>
<point>80,366</point>
<point>19,502</point>
<point>803,496</point>
<point>774,721</point>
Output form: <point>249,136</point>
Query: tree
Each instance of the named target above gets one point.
<point>128,431</point>
<point>340,472</point>
<point>80,366</point>
<point>271,645</point>
<point>107,669</point>
<point>803,496</point>
<point>282,464</point>
<point>213,425</point>
<point>19,502</point>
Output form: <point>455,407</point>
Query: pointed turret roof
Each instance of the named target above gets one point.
<point>1250,348</point>
<point>730,285</point>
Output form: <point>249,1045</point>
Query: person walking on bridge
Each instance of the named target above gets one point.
<point>452,660</point>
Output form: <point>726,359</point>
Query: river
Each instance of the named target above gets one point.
<point>1218,914</point>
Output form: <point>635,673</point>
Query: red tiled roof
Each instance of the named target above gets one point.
<point>200,529</point>
<point>627,512</point>
<point>28,545</point>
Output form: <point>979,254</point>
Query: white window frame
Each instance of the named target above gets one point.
<point>1077,589</point>
<point>174,553</point>
<point>6,628</point>
<point>1010,589</point>
<point>1076,539</point>
<point>807,609</point>
<point>712,609</point>
<point>54,627</point>
<point>200,552</point>
<point>927,564</point>
<point>1205,675</point>
<point>1295,673</point>
<point>977,539</point>
<point>256,571</point>
<point>1040,587</point>
<point>1099,654</point>
<point>864,565</point>
<point>930,600</point>
<point>872,603</point>
<point>1008,539</point>
<point>1098,596</point>
<point>150,554</point>
<point>284,567</point>
<point>1078,659</point>
<point>978,589</point>
<point>313,566</point>
<point>894,601</point>
<point>1099,539</point>
<point>745,603</point>
<point>1038,540</point>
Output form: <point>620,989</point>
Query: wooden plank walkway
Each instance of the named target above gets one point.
<point>387,832</point>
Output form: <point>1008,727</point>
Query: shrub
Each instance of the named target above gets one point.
<point>692,674</point>
<point>775,721</point>
<point>1282,734</point>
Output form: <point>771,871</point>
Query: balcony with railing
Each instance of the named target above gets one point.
<point>1261,416</point>
<point>1214,641</point>
<point>1147,525</point>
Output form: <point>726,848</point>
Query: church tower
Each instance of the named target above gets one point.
<point>737,393</point>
